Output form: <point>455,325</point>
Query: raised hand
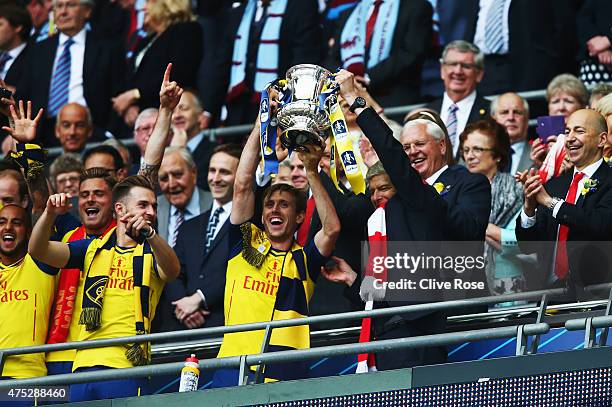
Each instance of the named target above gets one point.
<point>24,127</point>
<point>532,186</point>
<point>170,93</point>
<point>311,156</point>
<point>367,152</point>
<point>341,272</point>
<point>59,204</point>
<point>5,103</point>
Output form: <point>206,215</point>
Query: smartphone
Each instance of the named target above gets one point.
<point>550,126</point>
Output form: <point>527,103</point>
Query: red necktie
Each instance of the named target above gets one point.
<point>561,262</point>
<point>304,228</point>
<point>372,22</point>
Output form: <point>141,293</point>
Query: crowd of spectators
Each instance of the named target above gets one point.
<point>185,231</point>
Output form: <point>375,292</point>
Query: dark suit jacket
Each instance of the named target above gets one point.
<point>198,271</point>
<point>480,108</point>
<point>396,80</point>
<point>416,213</point>
<point>201,156</point>
<point>593,19</point>
<point>469,206</point>
<point>300,43</point>
<point>542,40</point>
<point>180,44</point>
<point>353,212</point>
<point>469,203</point>
<point>589,223</point>
<point>102,65</point>
<point>479,111</point>
<point>15,72</point>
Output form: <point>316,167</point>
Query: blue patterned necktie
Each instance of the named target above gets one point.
<point>451,125</point>
<point>211,229</point>
<point>4,58</point>
<point>494,36</point>
<point>58,92</point>
<point>180,218</point>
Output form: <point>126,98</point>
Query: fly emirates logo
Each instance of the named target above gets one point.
<point>10,295</point>
<point>120,277</point>
<point>268,286</point>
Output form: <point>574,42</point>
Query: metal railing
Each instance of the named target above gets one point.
<point>286,356</point>
<point>245,129</point>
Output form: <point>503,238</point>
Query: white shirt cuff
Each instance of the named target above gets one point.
<point>556,208</point>
<point>260,179</point>
<point>527,221</point>
<point>201,294</point>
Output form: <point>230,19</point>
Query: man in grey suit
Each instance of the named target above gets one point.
<point>512,111</point>
<point>181,199</point>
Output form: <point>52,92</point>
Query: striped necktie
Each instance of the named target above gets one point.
<point>58,92</point>
<point>211,229</point>
<point>451,125</point>
<point>494,35</point>
<point>180,218</point>
<point>4,58</point>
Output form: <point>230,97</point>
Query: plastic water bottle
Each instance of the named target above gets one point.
<point>190,375</point>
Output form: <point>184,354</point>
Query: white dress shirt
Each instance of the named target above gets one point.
<point>223,216</point>
<point>191,211</point>
<point>463,113</point>
<point>529,221</point>
<point>76,93</point>
<point>518,149</point>
<point>433,177</point>
<point>479,35</point>
<point>14,53</point>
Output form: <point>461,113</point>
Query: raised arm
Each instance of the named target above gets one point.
<point>325,239</point>
<point>23,131</point>
<point>243,205</point>
<point>169,96</point>
<point>55,254</point>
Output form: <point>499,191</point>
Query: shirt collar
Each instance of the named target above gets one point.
<point>227,208</point>
<point>195,141</point>
<point>590,169</point>
<point>193,207</point>
<point>431,179</point>
<point>79,38</point>
<point>464,104</point>
<point>14,53</point>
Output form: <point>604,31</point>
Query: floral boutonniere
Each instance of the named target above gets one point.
<point>441,188</point>
<point>590,185</point>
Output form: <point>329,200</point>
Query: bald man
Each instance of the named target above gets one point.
<point>73,127</point>
<point>573,211</point>
<point>512,111</point>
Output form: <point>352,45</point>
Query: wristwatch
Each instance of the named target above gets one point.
<point>358,103</point>
<point>553,202</point>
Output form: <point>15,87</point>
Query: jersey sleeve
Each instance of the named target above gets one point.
<point>78,249</point>
<point>235,239</point>
<point>46,268</point>
<point>64,224</point>
<point>314,259</point>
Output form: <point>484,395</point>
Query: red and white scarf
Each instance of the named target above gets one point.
<point>377,238</point>
<point>266,65</point>
<point>66,292</point>
<point>551,167</point>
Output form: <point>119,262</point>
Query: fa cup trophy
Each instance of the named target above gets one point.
<point>301,115</point>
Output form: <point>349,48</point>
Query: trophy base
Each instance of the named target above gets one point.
<point>298,140</point>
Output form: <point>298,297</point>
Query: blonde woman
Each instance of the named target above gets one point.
<point>173,36</point>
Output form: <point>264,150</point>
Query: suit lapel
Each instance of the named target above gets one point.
<point>599,175</point>
<point>89,62</point>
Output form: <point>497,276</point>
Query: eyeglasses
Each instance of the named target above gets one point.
<point>463,65</point>
<point>475,150</point>
<point>63,181</point>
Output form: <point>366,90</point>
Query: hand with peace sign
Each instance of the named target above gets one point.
<point>170,92</point>
<point>23,129</point>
